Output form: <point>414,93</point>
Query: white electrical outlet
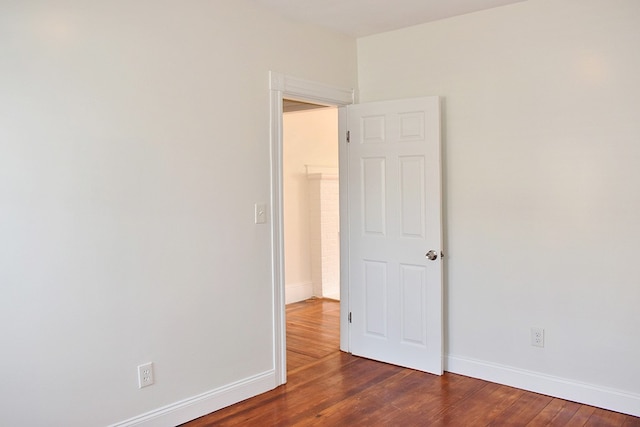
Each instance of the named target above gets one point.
<point>537,337</point>
<point>145,375</point>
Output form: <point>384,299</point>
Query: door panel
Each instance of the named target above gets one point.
<point>373,195</point>
<point>394,219</point>
<point>376,302</point>
<point>412,196</point>
<point>412,288</point>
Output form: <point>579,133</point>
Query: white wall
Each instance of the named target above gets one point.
<point>134,141</point>
<point>542,155</point>
<point>324,201</point>
<point>310,137</point>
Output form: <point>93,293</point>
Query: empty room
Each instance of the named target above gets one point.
<point>489,189</point>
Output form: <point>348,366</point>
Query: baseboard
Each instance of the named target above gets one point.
<point>297,292</point>
<point>331,293</point>
<point>202,404</point>
<point>588,394</point>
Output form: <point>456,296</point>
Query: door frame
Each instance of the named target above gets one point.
<point>284,86</point>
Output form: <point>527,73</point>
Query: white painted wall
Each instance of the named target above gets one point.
<point>310,137</point>
<point>324,221</point>
<point>541,106</point>
<point>134,141</point>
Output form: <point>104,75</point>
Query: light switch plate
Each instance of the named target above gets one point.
<point>260,213</point>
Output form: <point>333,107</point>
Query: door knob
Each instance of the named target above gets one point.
<point>432,255</point>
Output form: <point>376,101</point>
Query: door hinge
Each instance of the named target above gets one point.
<point>349,317</point>
<point>348,136</point>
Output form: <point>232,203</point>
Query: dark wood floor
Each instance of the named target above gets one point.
<point>329,388</point>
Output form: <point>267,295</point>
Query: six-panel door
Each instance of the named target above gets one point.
<point>394,182</point>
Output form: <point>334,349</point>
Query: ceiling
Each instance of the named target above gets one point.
<point>289,105</point>
<point>360,18</point>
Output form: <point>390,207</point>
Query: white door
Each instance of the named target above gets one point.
<point>394,193</point>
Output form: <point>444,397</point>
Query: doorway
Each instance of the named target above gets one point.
<point>286,87</point>
<point>311,229</point>
<point>412,127</point>
<point>311,202</point>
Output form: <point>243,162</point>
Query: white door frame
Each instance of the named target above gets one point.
<point>283,86</point>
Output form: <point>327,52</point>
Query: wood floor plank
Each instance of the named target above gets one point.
<point>581,416</point>
<point>326,387</point>
<point>631,422</point>
<point>296,360</point>
<point>427,397</point>
<point>522,411</point>
<point>312,398</point>
<point>363,407</point>
<point>602,417</point>
<point>558,412</point>
<point>482,411</point>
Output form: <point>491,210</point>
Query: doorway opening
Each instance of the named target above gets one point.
<point>311,218</point>
<point>290,88</point>
<point>311,201</point>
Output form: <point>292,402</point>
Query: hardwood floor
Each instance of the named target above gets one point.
<point>329,388</point>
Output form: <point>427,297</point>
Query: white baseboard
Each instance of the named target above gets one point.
<point>588,394</point>
<point>333,293</point>
<point>205,403</point>
<point>297,292</point>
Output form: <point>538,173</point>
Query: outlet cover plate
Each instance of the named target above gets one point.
<point>145,375</point>
<point>537,337</point>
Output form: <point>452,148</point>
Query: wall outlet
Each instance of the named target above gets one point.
<point>145,375</point>
<point>537,337</point>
